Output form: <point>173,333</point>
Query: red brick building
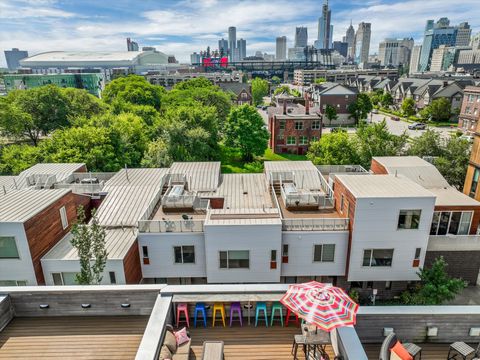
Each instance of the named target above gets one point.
<point>470,110</point>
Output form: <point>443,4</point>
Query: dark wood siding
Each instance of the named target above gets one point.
<point>131,265</point>
<point>377,168</point>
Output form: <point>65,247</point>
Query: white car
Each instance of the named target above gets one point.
<point>469,138</point>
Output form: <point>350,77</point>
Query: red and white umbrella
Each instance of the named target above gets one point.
<point>322,305</point>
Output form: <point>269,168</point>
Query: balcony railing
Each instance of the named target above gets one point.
<point>79,188</point>
<point>173,226</point>
<point>321,224</point>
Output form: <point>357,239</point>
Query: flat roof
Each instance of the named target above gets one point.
<point>21,205</point>
<point>201,176</point>
<point>117,243</point>
<point>307,176</point>
<point>450,196</point>
<point>382,186</point>
<point>242,191</point>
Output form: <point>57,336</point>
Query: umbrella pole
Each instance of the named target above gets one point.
<point>249,312</point>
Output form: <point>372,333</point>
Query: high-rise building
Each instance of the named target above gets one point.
<point>395,52</point>
<point>341,47</point>
<point>242,49</point>
<point>281,48</point>
<point>13,58</point>
<point>415,59</point>
<point>324,39</point>
<point>296,54</point>
<point>223,47</point>
<point>475,42</point>
<point>437,58</point>
<point>132,45</point>
<point>301,37</point>
<point>350,40</point>
<point>195,58</point>
<point>464,32</point>
<point>232,41</point>
<point>362,43</point>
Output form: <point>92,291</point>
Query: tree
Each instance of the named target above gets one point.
<point>428,144</point>
<point>196,83</point>
<point>454,161</point>
<point>287,90</point>
<point>157,154</point>
<point>360,108</point>
<point>276,80</point>
<point>435,286</point>
<point>89,240</point>
<point>386,99</point>
<point>246,131</point>
<point>439,110</point>
<point>259,90</point>
<point>320,80</point>
<point>16,158</point>
<point>330,113</point>
<point>334,149</point>
<point>408,107</point>
<point>82,104</point>
<point>376,96</point>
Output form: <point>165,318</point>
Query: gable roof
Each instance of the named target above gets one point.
<point>235,87</point>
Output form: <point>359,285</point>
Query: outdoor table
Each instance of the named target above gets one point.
<point>311,342</point>
<point>413,349</point>
<point>462,349</point>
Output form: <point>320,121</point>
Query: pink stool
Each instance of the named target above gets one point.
<point>238,308</point>
<point>289,313</point>
<point>182,307</point>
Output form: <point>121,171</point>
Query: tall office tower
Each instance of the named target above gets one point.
<point>132,45</point>
<point>395,52</point>
<point>437,58</point>
<point>362,43</point>
<point>436,34</point>
<point>281,48</point>
<point>301,37</point>
<point>415,59</point>
<point>324,39</point>
<point>475,43</point>
<point>341,47</point>
<point>13,58</point>
<point>350,40</point>
<point>464,32</point>
<point>223,47</point>
<point>242,49</point>
<point>232,42</point>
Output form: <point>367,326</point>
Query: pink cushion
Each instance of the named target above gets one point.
<point>181,336</point>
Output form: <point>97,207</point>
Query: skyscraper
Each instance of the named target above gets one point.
<point>395,52</point>
<point>242,49</point>
<point>362,43</point>
<point>341,47</point>
<point>132,45</point>
<point>350,40</point>
<point>301,37</point>
<point>223,47</point>
<point>13,58</point>
<point>464,32</point>
<point>415,59</point>
<point>324,39</point>
<point>281,48</point>
<point>232,42</point>
<point>475,43</point>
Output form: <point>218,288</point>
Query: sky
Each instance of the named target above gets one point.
<point>181,27</point>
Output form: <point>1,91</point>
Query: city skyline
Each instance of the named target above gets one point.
<point>48,25</point>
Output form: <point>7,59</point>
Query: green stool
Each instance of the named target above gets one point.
<point>277,306</point>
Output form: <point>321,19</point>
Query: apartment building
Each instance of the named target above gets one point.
<point>470,110</point>
<point>305,77</point>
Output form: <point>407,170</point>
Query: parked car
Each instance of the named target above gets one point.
<point>469,138</point>
<point>417,126</point>
<point>395,118</point>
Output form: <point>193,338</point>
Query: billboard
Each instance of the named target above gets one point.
<point>215,62</point>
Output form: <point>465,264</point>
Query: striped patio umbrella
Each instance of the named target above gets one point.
<point>322,305</point>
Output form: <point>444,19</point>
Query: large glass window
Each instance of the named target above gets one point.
<point>8,248</point>
<point>451,222</point>
<point>291,140</point>
<point>184,254</point>
<point>377,257</point>
<point>324,253</point>
<point>64,278</point>
<point>409,219</point>
<point>234,259</point>
<point>473,187</point>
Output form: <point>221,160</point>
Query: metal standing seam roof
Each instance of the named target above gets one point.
<point>7,183</point>
<point>21,205</point>
<point>68,56</point>
<point>306,174</point>
<point>117,243</point>
<point>61,171</point>
<point>137,177</point>
<point>201,176</point>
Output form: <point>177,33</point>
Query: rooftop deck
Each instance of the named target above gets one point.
<point>112,337</point>
<point>306,214</point>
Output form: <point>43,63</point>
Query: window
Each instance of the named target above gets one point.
<point>285,254</point>
<point>416,259</point>
<point>13,282</point>
<point>8,248</point>
<point>314,138</point>
<point>409,219</point>
<point>64,278</point>
<point>113,278</point>
<point>473,187</point>
<point>451,222</point>
<point>303,140</point>
<point>184,254</point>
<point>234,259</point>
<point>316,124</point>
<point>342,200</point>
<point>298,125</point>
<point>273,259</point>
<point>282,124</point>
<point>146,260</point>
<point>388,285</point>
<point>324,253</point>
<point>63,217</point>
<point>291,140</point>
<point>377,257</point>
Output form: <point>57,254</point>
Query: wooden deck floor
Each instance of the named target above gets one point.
<point>72,337</point>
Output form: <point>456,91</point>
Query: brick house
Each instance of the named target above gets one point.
<point>470,110</point>
<point>242,92</point>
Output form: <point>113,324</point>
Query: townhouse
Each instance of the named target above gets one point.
<point>470,110</point>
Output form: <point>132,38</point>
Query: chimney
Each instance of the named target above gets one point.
<point>307,104</point>
<point>284,106</point>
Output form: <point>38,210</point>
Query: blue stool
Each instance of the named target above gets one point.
<point>200,307</point>
<point>261,306</point>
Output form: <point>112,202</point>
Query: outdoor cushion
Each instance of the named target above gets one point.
<point>170,341</point>
<point>400,351</point>
<point>181,336</point>
<point>165,353</point>
<point>183,349</point>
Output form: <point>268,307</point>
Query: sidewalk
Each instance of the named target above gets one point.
<point>469,296</point>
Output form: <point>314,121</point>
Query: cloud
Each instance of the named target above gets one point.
<point>31,9</point>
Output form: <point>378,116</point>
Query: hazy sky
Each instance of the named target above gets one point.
<point>181,27</point>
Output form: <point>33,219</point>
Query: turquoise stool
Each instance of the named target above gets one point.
<point>261,306</point>
<point>276,306</point>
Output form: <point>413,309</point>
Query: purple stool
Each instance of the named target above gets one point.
<point>238,308</point>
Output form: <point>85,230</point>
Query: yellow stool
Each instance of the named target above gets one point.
<point>218,307</point>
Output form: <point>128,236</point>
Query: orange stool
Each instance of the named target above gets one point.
<point>218,307</point>
<point>182,307</point>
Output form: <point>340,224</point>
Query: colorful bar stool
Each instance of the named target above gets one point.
<point>261,306</point>
<point>238,308</point>
<point>182,307</point>
<point>200,307</point>
<point>218,307</point>
<point>276,306</point>
<point>289,314</point>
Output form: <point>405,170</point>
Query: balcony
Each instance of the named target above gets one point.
<point>167,226</point>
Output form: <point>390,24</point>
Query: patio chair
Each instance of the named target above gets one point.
<point>464,350</point>
<point>390,341</point>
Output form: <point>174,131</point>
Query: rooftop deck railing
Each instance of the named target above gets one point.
<point>173,226</point>
<point>320,224</point>
<point>179,201</point>
<point>79,188</point>
<point>340,169</point>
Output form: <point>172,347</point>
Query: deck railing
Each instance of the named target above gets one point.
<point>321,224</point>
<point>173,226</point>
<point>79,188</point>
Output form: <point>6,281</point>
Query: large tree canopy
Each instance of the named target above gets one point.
<point>334,148</point>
